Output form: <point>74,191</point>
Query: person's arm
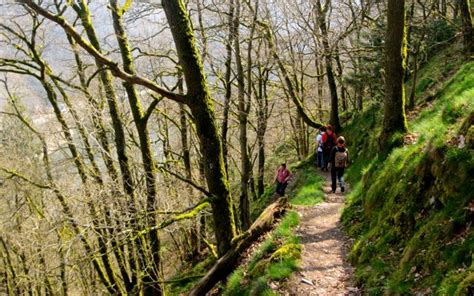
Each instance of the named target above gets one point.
<point>288,177</point>
<point>332,155</point>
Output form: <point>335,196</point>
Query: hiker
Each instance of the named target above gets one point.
<point>319,145</point>
<point>338,160</point>
<point>329,141</point>
<point>282,177</point>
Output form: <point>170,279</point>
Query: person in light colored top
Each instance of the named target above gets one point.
<point>319,145</point>
<point>281,178</point>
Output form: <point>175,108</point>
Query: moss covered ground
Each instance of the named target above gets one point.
<point>411,210</point>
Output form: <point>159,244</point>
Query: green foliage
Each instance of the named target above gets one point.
<point>439,32</point>
<point>258,205</point>
<point>410,211</point>
<point>275,259</point>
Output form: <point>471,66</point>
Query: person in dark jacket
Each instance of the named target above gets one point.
<point>338,160</point>
<point>329,141</point>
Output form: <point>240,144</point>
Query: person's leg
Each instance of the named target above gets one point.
<point>278,189</point>
<point>333,180</point>
<point>283,187</point>
<point>326,160</point>
<point>341,179</point>
<point>320,159</point>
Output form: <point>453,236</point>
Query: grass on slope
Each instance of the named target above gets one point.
<point>307,188</point>
<point>411,211</point>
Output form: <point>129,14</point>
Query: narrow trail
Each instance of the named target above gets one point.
<point>324,269</point>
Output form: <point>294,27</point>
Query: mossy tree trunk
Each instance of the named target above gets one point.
<point>321,18</point>
<point>200,103</point>
<point>340,74</point>
<point>106,80</point>
<point>227,80</point>
<point>243,108</point>
<point>151,277</point>
<point>262,118</point>
<point>395,64</point>
<point>128,183</point>
<point>467,27</point>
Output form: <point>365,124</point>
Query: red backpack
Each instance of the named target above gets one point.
<point>330,141</point>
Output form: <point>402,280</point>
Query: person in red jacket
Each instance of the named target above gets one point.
<point>329,141</point>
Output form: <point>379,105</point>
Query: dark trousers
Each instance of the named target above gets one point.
<point>326,154</point>
<point>320,160</point>
<point>281,188</point>
<point>337,173</point>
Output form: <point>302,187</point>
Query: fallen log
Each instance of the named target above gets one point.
<point>226,264</point>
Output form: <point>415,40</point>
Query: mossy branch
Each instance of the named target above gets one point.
<point>187,215</point>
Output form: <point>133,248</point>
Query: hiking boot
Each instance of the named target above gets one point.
<point>342,189</point>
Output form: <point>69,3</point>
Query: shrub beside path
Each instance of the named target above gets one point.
<point>324,268</point>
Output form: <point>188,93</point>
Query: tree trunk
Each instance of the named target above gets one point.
<point>151,272</point>
<point>244,205</point>
<point>467,27</point>
<point>411,101</point>
<point>200,103</point>
<point>395,54</point>
<point>321,17</point>
<point>262,117</point>
<point>106,80</point>
<point>227,83</point>
<point>340,73</point>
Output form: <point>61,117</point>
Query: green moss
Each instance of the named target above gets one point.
<point>235,283</point>
<point>288,251</point>
<point>282,270</point>
<point>308,187</point>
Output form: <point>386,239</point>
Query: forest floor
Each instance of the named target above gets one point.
<point>324,269</point>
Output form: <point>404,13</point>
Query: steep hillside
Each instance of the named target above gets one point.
<point>411,211</point>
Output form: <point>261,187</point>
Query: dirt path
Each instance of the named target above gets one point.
<point>324,269</point>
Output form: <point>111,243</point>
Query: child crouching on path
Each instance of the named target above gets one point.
<point>338,159</point>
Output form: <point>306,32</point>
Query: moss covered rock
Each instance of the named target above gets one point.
<point>289,251</point>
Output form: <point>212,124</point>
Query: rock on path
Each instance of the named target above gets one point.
<point>324,269</point>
